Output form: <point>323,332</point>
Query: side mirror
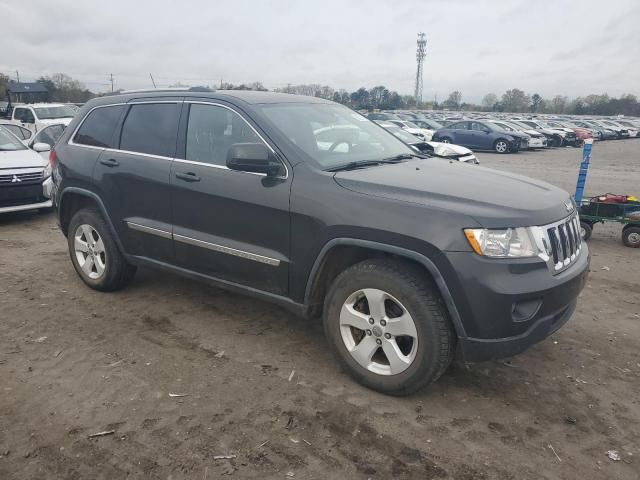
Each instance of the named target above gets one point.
<point>41,147</point>
<point>253,158</point>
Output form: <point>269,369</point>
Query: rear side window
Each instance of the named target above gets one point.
<point>49,135</point>
<point>151,128</point>
<point>98,128</point>
<point>20,132</point>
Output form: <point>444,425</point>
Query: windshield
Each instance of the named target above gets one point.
<point>411,125</point>
<point>48,113</point>
<point>333,135</point>
<point>9,142</point>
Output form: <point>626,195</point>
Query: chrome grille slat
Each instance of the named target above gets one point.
<point>19,178</point>
<point>562,242</point>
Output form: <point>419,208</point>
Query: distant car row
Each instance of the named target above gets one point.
<point>504,134</point>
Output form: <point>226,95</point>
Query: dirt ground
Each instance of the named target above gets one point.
<point>260,386</point>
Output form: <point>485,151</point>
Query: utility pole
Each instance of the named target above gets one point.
<point>111,79</point>
<point>152,81</point>
<point>421,53</point>
<point>18,76</point>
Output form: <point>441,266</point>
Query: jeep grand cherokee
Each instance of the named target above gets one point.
<point>406,259</point>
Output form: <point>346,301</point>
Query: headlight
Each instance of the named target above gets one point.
<point>47,171</point>
<point>503,243</point>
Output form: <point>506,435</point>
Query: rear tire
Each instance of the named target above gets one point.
<point>586,230</point>
<point>408,320</point>
<point>631,236</point>
<point>95,254</point>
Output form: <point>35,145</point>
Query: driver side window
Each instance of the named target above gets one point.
<point>478,127</point>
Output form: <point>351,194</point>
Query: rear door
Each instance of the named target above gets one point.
<point>134,181</point>
<point>228,224</point>
<point>461,134</point>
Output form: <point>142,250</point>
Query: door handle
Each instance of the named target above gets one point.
<point>110,162</point>
<point>188,176</point>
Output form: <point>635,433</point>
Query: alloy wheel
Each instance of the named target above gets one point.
<point>89,251</point>
<point>378,331</point>
<point>501,146</point>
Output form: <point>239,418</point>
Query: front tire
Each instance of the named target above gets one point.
<point>586,229</point>
<point>95,254</point>
<point>388,326</point>
<point>501,146</point>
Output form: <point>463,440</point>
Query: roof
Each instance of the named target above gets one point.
<point>30,87</point>
<point>247,96</point>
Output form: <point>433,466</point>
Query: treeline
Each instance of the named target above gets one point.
<point>379,97</point>
<point>516,100</point>
<point>63,88</point>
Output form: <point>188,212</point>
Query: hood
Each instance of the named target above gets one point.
<point>20,159</point>
<point>492,198</point>
<point>548,131</point>
<point>448,149</point>
<point>533,133</point>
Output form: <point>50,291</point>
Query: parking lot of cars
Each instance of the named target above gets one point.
<point>161,366</point>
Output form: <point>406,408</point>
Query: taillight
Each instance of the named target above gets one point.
<point>53,158</point>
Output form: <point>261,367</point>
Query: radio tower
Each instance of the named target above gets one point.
<point>421,53</point>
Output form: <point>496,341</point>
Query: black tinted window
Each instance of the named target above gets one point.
<point>212,130</point>
<point>151,128</point>
<point>98,128</point>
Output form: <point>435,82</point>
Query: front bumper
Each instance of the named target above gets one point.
<point>505,307</point>
<point>34,197</point>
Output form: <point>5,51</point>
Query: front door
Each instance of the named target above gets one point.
<point>230,225</point>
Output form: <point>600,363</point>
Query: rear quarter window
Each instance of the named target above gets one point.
<point>99,127</point>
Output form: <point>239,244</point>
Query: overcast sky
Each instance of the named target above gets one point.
<point>571,47</point>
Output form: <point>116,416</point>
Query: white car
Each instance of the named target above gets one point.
<point>437,149</point>
<point>36,116</point>
<point>413,129</point>
<point>25,176</point>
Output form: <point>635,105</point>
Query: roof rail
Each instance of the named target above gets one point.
<point>168,89</point>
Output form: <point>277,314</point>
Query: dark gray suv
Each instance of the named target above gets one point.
<point>306,203</point>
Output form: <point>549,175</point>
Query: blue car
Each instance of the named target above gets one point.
<point>479,135</point>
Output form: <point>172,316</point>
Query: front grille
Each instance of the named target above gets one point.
<point>21,178</point>
<point>562,242</point>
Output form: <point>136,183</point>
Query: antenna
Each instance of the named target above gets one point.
<point>421,53</point>
<point>152,80</point>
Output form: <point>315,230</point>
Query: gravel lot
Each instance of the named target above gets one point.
<point>260,385</point>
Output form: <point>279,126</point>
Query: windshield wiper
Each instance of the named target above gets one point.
<point>404,156</point>
<point>373,163</point>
